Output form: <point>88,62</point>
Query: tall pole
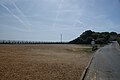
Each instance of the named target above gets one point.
<point>61,38</point>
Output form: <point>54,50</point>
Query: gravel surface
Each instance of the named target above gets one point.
<point>42,62</point>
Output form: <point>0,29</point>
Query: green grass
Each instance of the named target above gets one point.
<point>87,50</point>
<point>118,40</point>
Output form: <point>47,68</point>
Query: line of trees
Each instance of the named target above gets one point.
<point>28,42</point>
<point>85,38</point>
<point>99,37</point>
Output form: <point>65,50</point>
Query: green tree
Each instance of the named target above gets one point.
<point>88,40</point>
<point>86,34</point>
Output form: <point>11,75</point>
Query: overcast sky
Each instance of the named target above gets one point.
<point>45,20</point>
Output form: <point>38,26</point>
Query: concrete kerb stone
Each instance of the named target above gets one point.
<point>88,65</point>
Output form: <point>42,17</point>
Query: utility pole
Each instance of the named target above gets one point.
<point>61,38</point>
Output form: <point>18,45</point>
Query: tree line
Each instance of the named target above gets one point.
<point>85,38</point>
<point>99,37</point>
<point>28,42</point>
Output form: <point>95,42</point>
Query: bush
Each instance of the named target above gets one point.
<point>94,48</point>
<point>118,40</point>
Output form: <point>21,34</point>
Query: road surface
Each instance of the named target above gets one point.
<point>105,64</point>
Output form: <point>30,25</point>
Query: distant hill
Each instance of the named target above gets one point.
<point>99,37</point>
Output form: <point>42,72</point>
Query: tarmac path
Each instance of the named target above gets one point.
<point>105,64</point>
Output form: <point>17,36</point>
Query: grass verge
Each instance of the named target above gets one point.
<point>118,40</point>
<point>87,50</point>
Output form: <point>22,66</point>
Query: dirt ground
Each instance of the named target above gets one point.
<point>42,61</point>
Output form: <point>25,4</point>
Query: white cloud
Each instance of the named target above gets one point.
<point>16,16</point>
<point>57,16</point>
<point>6,2</point>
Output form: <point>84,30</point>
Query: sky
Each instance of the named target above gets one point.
<point>46,20</point>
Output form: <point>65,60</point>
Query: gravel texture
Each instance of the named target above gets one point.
<point>42,62</point>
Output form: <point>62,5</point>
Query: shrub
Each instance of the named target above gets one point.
<point>118,40</point>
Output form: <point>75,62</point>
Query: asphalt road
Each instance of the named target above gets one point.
<point>105,64</point>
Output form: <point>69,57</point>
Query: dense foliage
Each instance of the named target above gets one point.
<point>99,37</point>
